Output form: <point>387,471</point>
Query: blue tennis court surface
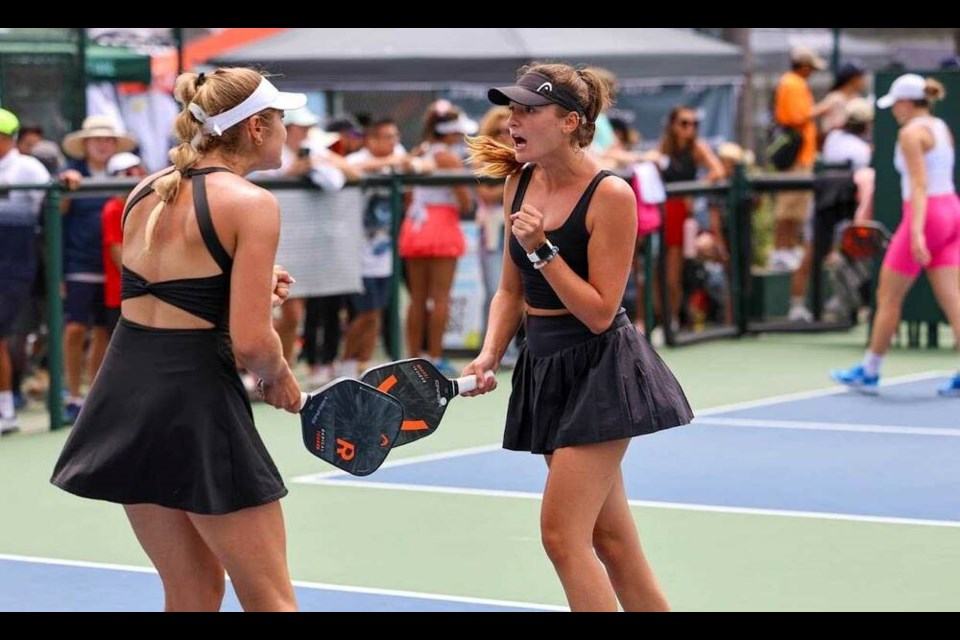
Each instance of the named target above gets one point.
<point>27,585</point>
<point>832,454</point>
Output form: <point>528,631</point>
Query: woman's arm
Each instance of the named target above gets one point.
<point>255,341</point>
<point>914,142</point>
<point>613,233</point>
<point>706,158</point>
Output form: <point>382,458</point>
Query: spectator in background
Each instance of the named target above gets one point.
<point>793,107</point>
<point>19,215</point>
<point>351,136</point>
<point>683,154</point>
<point>850,83</point>
<point>382,153</point>
<point>120,165</point>
<point>49,154</point>
<point>307,154</point>
<point>99,138</point>
<point>850,142</point>
<point>28,137</point>
<point>430,239</point>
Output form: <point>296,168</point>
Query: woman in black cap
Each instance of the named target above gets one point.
<point>850,83</point>
<point>586,381</point>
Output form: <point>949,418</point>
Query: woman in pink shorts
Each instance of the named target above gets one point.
<point>928,237</point>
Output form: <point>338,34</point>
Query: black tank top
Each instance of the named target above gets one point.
<point>571,238</point>
<point>207,297</point>
<point>683,166</point>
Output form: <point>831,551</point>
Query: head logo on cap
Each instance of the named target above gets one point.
<point>547,85</point>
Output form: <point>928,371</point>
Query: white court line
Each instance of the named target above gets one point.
<point>816,393</point>
<point>312,478</point>
<point>650,504</point>
<point>826,426</point>
<point>306,585</point>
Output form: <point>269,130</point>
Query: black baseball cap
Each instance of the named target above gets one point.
<point>535,90</point>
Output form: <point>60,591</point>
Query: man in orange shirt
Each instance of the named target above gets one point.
<point>793,106</point>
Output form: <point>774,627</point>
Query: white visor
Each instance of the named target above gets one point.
<point>462,124</point>
<point>266,96</point>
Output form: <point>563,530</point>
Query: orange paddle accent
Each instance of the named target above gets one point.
<point>414,425</point>
<point>345,449</point>
<point>387,384</point>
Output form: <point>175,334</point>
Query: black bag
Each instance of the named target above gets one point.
<point>784,147</point>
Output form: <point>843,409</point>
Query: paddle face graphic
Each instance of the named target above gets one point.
<point>351,425</point>
<point>423,391</point>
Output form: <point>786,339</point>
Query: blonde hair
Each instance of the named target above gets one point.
<point>590,88</point>
<point>215,93</point>
<point>934,91</point>
<point>490,124</point>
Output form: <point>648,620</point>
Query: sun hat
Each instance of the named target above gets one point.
<point>96,126</point>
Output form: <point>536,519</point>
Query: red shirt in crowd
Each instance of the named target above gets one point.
<point>112,235</point>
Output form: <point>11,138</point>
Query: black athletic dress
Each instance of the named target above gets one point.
<point>571,386</point>
<point>167,420</point>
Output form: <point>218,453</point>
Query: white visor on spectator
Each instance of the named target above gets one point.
<point>266,96</point>
<point>462,124</point>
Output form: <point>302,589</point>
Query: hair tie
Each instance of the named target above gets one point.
<point>201,79</point>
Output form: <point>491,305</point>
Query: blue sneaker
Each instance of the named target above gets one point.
<point>856,378</point>
<point>70,412</point>
<point>19,402</point>
<point>951,389</point>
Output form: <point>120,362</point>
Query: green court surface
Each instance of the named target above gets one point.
<point>450,524</point>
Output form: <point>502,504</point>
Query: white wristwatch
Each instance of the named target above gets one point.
<point>543,252</point>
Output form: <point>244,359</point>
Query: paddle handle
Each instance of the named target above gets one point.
<point>467,384</point>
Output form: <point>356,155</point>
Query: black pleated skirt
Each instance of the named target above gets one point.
<point>573,387</point>
<point>168,422</point>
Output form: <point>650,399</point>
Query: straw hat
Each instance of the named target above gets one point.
<point>99,126</point>
<point>735,153</point>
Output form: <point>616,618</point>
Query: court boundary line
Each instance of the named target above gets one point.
<point>421,595</point>
<point>652,504</point>
<point>316,478</point>
<point>802,425</point>
<point>817,393</point>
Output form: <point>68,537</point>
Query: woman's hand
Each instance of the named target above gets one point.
<point>918,246</point>
<point>71,178</point>
<point>281,285</point>
<point>282,393</point>
<point>479,367</point>
<point>527,227</point>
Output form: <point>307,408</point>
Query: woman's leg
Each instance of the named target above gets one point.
<point>891,290</point>
<point>578,483</point>
<point>252,546</point>
<point>946,287</point>
<point>291,314</point>
<point>617,544</point>
<point>442,271</point>
<point>192,576</point>
<point>418,280</point>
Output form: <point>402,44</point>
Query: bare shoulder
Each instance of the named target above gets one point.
<point>613,206</point>
<point>234,193</point>
<point>614,191</point>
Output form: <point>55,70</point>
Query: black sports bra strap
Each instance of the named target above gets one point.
<point>522,188</point>
<point>202,208</point>
<point>143,193</point>
<point>189,173</point>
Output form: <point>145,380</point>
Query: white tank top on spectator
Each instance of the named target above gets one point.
<point>842,146</point>
<point>423,196</point>
<point>939,161</point>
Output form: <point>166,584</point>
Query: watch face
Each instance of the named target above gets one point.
<point>545,250</point>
